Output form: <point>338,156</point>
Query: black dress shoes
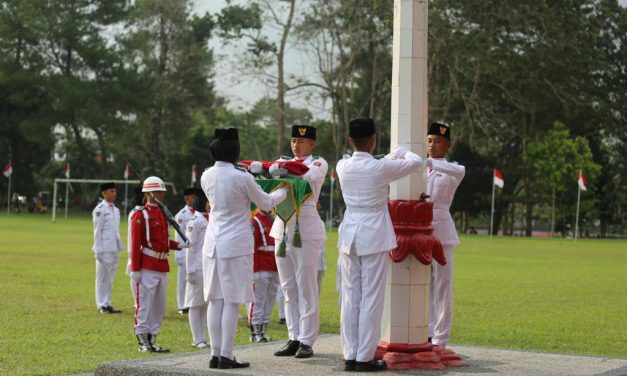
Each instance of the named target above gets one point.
<point>290,349</point>
<point>213,362</point>
<point>226,363</point>
<point>113,310</point>
<point>349,365</point>
<point>304,351</point>
<point>371,366</point>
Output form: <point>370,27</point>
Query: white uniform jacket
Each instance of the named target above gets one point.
<point>364,182</point>
<point>106,218</point>
<point>196,227</point>
<point>311,226</point>
<point>443,178</point>
<point>230,192</point>
<point>182,218</point>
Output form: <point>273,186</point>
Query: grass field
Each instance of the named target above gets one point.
<point>533,294</point>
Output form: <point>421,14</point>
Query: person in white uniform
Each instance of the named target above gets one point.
<point>182,218</point>
<point>298,270</point>
<point>443,178</point>
<point>107,246</point>
<point>228,248</point>
<point>365,237</point>
<point>194,298</point>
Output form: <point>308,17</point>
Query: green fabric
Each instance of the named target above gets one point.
<point>299,191</point>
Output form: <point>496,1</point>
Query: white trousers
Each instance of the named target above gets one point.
<point>298,272</point>
<point>134,292</point>
<point>363,295</point>
<point>266,287</point>
<point>181,283</point>
<point>151,293</point>
<point>197,317</point>
<point>280,301</point>
<point>441,302</point>
<point>106,266</point>
<point>222,318</point>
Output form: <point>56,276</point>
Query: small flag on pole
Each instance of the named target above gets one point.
<point>194,174</point>
<point>66,170</point>
<point>333,176</point>
<point>127,172</point>
<point>498,179</point>
<point>8,169</point>
<point>582,181</point>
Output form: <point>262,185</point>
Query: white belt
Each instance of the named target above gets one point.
<point>157,255</point>
<point>266,248</point>
<point>360,209</point>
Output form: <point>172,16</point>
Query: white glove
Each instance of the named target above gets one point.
<point>397,153</point>
<point>191,278</point>
<point>135,276</point>
<point>276,170</point>
<point>185,244</point>
<point>256,167</point>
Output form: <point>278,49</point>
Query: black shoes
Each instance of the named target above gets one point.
<point>349,365</point>
<point>371,366</point>
<point>226,363</point>
<point>183,311</point>
<point>290,349</point>
<point>213,362</point>
<point>282,321</point>
<point>108,309</point>
<point>304,351</point>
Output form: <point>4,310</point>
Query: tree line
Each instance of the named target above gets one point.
<point>536,89</point>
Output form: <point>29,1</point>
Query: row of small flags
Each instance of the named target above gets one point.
<point>500,182</point>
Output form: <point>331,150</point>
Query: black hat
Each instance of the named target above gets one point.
<point>303,131</point>
<point>360,128</point>
<point>105,186</point>
<point>438,129</point>
<point>226,134</point>
<point>189,191</point>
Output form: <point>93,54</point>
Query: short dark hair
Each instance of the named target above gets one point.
<point>362,142</point>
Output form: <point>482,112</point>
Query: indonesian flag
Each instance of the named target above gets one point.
<point>8,169</point>
<point>127,172</point>
<point>582,181</point>
<point>333,176</point>
<point>194,173</point>
<point>66,170</point>
<point>498,179</point>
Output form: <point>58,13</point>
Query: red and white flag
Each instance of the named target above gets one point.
<point>194,173</point>
<point>333,176</point>
<point>127,172</point>
<point>66,170</point>
<point>498,179</point>
<point>581,182</point>
<point>8,169</point>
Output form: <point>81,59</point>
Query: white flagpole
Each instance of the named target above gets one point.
<point>331,203</point>
<point>9,194</point>
<point>577,216</point>
<point>492,211</point>
<point>67,190</point>
<point>125,196</point>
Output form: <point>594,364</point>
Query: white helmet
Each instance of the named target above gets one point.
<point>153,184</point>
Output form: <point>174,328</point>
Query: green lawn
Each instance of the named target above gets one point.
<point>537,294</point>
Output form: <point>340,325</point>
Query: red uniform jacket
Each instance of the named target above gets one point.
<point>155,236</point>
<point>264,244</point>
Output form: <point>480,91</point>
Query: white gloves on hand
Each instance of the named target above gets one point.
<point>135,276</point>
<point>256,167</point>
<point>276,170</point>
<point>192,278</point>
<point>185,244</point>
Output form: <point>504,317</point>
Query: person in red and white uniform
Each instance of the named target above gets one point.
<point>150,237</point>
<point>443,178</point>
<point>107,246</point>
<point>182,218</point>
<point>194,299</point>
<point>229,245</point>
<point>266,277</point>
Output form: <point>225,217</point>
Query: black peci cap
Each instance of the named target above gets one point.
<point>303,131</point>
<point>360,128</point>
<point>106,186</point>
<point>438,129</point>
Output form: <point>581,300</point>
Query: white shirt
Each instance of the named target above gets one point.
<point>230,192</point>
<point>364,180</point>
<point>182,218</point>
<point>106,219</point>
<point>311,226</point>
<point>195,232</point>
<point>443,178</point>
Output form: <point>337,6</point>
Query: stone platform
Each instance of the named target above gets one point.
<point>481,361</point>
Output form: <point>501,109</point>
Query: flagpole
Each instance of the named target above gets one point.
<point>577,215</point>
<point>125,196</point>
<point>331,204</point>
<point>67,191</point>
<point>492,211</point>
<point>9,194</point>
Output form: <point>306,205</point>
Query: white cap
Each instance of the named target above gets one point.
<point>153,184</point>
